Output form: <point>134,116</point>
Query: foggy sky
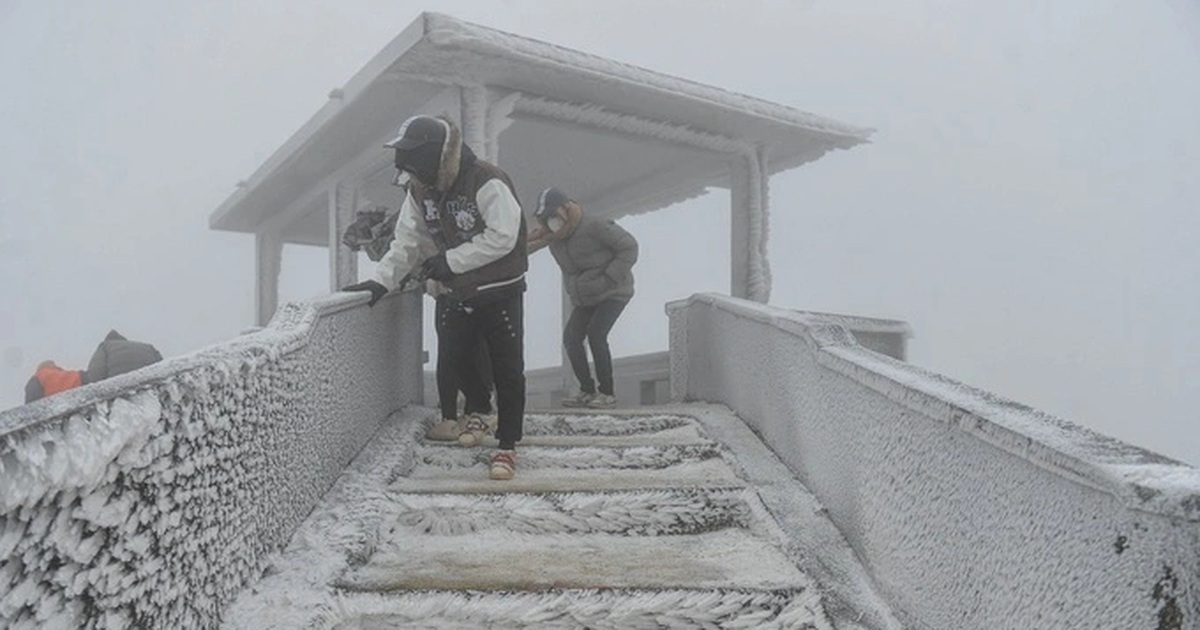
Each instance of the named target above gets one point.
<point>1029,202</point>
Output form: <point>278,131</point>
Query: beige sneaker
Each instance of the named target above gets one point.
<point>602,401</point>
<point>444,431</point>
<point>579,400</point>
<point>474,430</point>
<point>504,465</point>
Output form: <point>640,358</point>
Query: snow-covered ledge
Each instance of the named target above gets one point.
<point>969,510</point>
<point>150,499</point>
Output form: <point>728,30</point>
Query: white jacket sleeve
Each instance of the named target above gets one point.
<point>410,247</point>
<point>502,215</point>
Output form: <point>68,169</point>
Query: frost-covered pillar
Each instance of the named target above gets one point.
<point>762,265</point>
<point>499,117</point>
<point>343,263</point>
<point>750,276</point>
<point>474,114</point>
<point>268,258</point>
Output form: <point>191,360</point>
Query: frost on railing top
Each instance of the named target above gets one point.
<point>1141,478</point>
<point>288,330</point>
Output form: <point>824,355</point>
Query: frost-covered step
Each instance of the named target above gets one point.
<point>446,457</point>
<point>590,422</point>
<point>597,609</point>
<point>678,435</point>
<point>504,561</point>
<point>606,429</point>
<point>547,469</point>
<point>643,513</point>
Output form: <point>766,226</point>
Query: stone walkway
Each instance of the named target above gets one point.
<point>615,520</point>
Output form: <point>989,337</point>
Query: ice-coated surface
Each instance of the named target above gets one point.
<point>150,499</point>
<point>383,550</point>
<point>448,31</point>
<point>969,510</point>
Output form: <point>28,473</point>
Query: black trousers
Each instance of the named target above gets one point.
<point>499,324</point>
<point>593,323</point>
<point>472,376</point>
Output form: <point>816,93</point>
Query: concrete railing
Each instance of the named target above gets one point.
<point>150,499</point>
<point>970,511</point>
<point>644,379</point>
<point>638,380</point>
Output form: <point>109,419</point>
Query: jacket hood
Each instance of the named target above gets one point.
<point>452,154</point>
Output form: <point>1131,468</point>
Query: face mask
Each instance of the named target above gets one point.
<point>555,224</point>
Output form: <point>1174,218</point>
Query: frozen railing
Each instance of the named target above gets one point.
<point>968,510</point>
<point>644,379</point>
<point>150,499</point>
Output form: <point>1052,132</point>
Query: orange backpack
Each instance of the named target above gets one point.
<point>55,379</point>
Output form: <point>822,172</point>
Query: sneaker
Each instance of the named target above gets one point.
<point>445,431</point>
<point>602,401</point>
<point>473,430</point>
<point>579,400</point>
<point>504,465</point>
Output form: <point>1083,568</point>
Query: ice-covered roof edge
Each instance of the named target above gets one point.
<point>338,99</point>
<point>1142,479</point>
<point>444,30</point>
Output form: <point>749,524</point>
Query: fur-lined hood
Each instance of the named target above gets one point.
<point>451,159</point>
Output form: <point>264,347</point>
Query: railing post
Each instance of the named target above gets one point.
<point>268,258</point>
<point>677,318</point>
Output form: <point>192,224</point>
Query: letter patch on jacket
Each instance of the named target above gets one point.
<point>465,213</point>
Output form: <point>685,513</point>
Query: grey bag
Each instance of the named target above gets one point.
<point>372,231</point>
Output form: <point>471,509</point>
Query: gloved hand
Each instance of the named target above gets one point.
<point>377,290</point>
<point>435,289</point>
<point>437,268</point>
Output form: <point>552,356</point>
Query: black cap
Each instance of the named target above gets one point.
<point>550,200</point>
<point>418,131</point>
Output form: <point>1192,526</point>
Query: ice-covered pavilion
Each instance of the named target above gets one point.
<point>802,476</point>
<point>622,139</point>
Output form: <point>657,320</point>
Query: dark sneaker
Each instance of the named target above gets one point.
<point>504,465</point>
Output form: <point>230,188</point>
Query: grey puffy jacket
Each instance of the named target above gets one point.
<point>118,355</point>
<point>597,261</point>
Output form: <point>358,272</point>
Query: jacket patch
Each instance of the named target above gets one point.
<point>465,214</point>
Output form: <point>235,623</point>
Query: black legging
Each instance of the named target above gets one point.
<point>592,322</point>
<point>471,374</point>
<point>500,325</point>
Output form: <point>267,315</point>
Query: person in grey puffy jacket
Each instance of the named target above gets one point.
<point>596,257</point>
<point>117,355</point>
<point>114,356</point>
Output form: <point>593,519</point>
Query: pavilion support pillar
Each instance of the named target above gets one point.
<point>268,259</point>
<point>750,273</point>
<point>499,117</point>
<point>474,115</point>
<point>343,263</point>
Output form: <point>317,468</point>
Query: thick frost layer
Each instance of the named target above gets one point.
<point>150,499</point>
<point>969,510</point>
<point>390,547</point>
<point>447,31</point>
